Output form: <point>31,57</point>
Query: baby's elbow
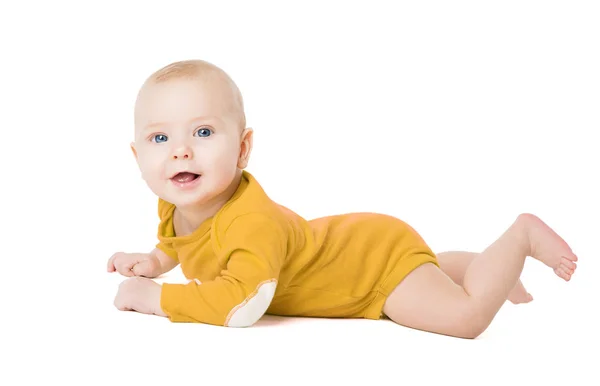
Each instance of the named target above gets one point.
<point>248,312</point>
<point>245,316</point>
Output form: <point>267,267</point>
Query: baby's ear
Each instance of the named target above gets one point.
<point>133,150</point>
<point>245,148</point>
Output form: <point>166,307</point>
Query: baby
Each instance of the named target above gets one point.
<point>245,255</point>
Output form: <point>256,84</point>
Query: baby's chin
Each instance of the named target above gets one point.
<point>185,200</point>
<point>191,199</point>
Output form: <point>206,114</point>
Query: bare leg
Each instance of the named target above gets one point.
<point>455,263</point>
<point>428,299</point>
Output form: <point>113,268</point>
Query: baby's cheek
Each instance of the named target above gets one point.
<point>228,164</point>
<point>154,175</point>
<point>230,156</point>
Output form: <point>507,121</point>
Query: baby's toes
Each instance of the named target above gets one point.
<point>568,263</point>
<point>529,297</point>
<point>566,269</point>
<point>562,274</point>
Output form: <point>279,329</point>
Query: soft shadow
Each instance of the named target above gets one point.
<point>274,320</point>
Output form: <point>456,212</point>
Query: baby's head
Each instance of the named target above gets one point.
<point>191,140</point>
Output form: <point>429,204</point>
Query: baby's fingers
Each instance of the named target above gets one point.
<point>110,266</point>
<point>126,269</point>
<point>123,263</point>
<point>145,268</point>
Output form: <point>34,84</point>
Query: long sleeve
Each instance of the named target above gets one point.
<point>252,250</point>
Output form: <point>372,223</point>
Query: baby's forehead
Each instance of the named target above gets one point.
<point>181,101</point>
<point>196,77</point>
<point>182,94</point>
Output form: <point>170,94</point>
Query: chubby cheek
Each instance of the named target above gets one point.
<point>226,164</point>
<point>153,171</point>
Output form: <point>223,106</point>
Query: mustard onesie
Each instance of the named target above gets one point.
<point>255,256</point>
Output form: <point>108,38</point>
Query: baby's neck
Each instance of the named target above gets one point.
<point>186,221</point>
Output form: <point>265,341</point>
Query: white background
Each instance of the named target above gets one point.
<point>454,116</point>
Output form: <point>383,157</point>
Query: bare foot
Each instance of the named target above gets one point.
<point>549,248</point>
<point>519,294</point>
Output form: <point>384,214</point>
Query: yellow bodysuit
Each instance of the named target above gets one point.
<point>255,256</point>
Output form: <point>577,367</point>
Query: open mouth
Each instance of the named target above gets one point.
<point>185,177</point>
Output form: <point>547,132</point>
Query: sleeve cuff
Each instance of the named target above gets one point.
<point>169,296</point>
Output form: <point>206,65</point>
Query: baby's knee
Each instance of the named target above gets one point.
<point>471,322</point>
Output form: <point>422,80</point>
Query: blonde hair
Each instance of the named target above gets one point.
<point>200,69</point>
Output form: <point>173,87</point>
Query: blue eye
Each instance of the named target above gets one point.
<point>204,132</point>
<point>158,138</point>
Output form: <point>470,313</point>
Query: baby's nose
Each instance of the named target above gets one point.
<point>182,153</point>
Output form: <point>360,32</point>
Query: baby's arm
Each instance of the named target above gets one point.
<point>165,262</point>
<point>252,251</point>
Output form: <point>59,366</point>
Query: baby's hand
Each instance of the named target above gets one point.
<point>141,295</point>
<point>134,264</point>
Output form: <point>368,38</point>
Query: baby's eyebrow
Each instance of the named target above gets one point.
<point>154,125</point>
<point>204,118</point>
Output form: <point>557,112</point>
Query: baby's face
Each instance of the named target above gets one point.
<point>187,142</point>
